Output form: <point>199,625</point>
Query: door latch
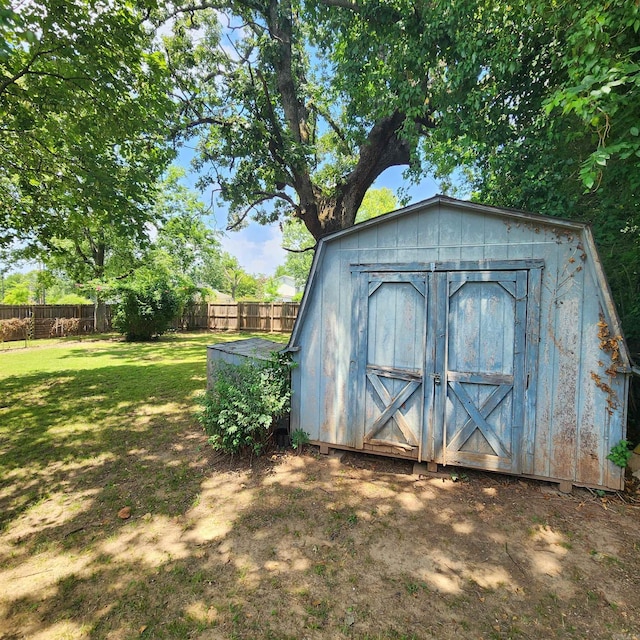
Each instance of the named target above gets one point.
<point>436,378</point>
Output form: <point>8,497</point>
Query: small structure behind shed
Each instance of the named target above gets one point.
<point>238,352</point>
<point>455,333</point>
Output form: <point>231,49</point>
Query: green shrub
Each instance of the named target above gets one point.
<point>243,403</point>
<point>298,439</point>
<point>620,454</point>
<point>146,305</point>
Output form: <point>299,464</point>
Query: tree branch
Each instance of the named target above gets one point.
<point>205,120</point>
<point>276,146</point>
<point>334,125</point>
<point>313,248</point>
<point>264,197</point>
<point>27,68</point>
<point>343,4</point>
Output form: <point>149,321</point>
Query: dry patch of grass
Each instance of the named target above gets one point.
<point>280,548</point>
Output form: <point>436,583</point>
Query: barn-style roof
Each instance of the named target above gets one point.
<point>517,216</point>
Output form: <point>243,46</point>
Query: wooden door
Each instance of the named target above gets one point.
<point>394,328</point>
<point>484,369</point>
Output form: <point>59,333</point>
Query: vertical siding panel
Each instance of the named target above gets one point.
<point>427,236</point>
<point>407,240</point>
<point>387,243</point>
<point>592,422</point>
<point>472,236</point>
<point>329,314</point>
<point>616,431</point>
<point>450,233</point>
<point>519,370</point>
<point>521,239</point>
<point>427,228</point>
<point>296,395</point>
<point>496,238</point>
<point>407,232</point>
<point>336,378</point>
<point>567,373</point>
<point>602,410</point>
<point>310,357</point>
<point>357,383</point>
<point>429,388</point>
<point>367,239</point>
<point>440,307</point>
<point>547,362</point>
<point>531,369</point>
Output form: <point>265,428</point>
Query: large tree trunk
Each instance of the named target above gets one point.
<point>100,315</point>
<point>383,148</point>
<point>98,253</point>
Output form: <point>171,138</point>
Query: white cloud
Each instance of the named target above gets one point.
<point>258,248</point>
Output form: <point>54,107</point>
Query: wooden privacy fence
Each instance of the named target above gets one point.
<point>48,321</point>
<point>277,317</point>
<point>45,320</point>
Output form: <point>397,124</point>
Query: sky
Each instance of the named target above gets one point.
<point>258,248</point>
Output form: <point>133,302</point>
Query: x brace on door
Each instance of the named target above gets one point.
<point>478,417</point>
<point>392,407</point>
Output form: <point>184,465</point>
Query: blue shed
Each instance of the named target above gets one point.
<point>459,334</point>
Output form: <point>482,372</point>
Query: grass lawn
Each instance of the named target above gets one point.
<point>86,428</point>
<point>69,409</point>
<point>280,548</point>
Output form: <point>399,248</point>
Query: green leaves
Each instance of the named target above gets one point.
<point>243,403</point>
<point>146,304</point>
<point>85,115</point>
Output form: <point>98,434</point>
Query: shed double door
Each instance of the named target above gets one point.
<point>443,366</point>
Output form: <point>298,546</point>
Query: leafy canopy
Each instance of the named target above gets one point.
<point>278,134</point>
<point>85,109</point>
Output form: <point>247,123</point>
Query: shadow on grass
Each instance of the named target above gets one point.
<point>60,429</point>
<point>168,346</point>
<point>307,548</point>
<point>58,426</point>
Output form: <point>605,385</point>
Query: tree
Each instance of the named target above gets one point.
<point>147,303</point>
<point>85,111</point>
<point>91,255</point>
<point>375,203</point>
<point>190,247</point>
<point>300,243</point>
<point>17,291</point>
<point>236,281</point>
<point>602,61</point>
<point>279,135</point>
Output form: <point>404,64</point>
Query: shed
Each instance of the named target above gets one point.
<point>460,334</point>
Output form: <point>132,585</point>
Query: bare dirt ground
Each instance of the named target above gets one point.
<point>316,547</point>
